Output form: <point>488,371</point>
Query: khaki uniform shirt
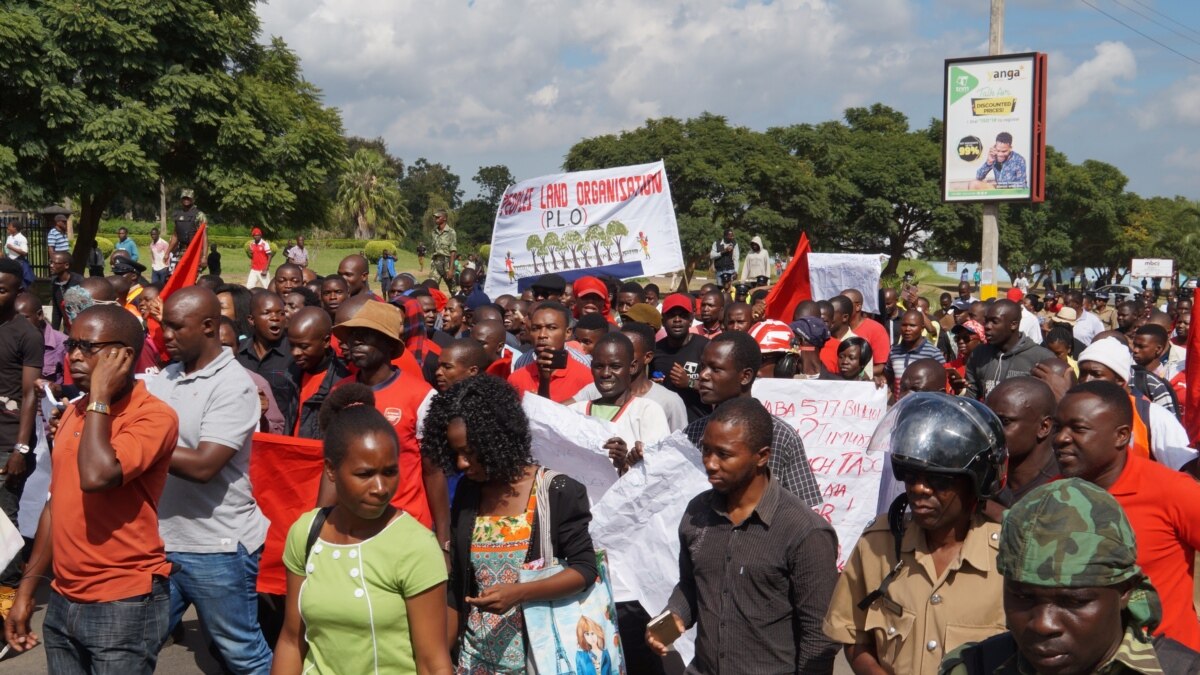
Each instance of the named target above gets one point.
<point>1133,657</point>
<point>927,615</point>
<point>444,241</point>
<point>1108,317</point>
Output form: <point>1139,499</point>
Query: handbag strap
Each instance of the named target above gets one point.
<point>314,530</point>
<point>546,543</point>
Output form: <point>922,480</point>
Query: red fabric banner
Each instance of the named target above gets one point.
<point>286,473</point>
<point>793,287</point>
<point>189,265</point>
<point>1191,408</point>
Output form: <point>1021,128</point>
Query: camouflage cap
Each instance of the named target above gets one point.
<point>187,193</point>
<point>1067,533</point>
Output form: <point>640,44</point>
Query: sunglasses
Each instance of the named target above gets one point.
<point>938,482</point>
<point>89,348</point>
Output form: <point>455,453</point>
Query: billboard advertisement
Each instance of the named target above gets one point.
<point>994,141</point>
<point>1152,267</point>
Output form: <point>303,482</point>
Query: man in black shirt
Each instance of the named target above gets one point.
<point>757,566</point>
<point>187,220</point>
<point>62,279</point>
<point>676,363</point>
<point>268,353</point>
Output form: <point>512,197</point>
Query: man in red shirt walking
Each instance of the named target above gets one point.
<point>1094,421</point>
<point>110,602</point>
<point>260,253</point>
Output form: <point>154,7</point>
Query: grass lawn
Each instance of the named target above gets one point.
<point>235,265</point>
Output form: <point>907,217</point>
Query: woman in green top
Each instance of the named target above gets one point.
<point>367,594</point>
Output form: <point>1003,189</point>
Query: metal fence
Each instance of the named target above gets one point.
<point>35,233</point>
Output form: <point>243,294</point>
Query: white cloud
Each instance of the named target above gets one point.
<point>1185,100</point>
<point>1101,74</point>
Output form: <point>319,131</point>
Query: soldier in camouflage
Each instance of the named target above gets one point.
<point>1075,599</point>
<point>445,250</point>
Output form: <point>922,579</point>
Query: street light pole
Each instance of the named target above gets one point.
<point>989,259</point>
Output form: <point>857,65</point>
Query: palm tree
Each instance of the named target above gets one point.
<point>574,241</point>
<point>534,245</point>
<point>551,243</point>
<point>369,195</point>
<point>616,230</point>
<point>596,236</point>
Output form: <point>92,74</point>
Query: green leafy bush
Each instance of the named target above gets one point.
<point>374,249</point>
<point>105,245</point>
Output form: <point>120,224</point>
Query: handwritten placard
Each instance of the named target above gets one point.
<point>836,421</point>
<point>572,443</point>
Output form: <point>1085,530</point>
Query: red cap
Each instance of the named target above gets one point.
<point>677,301</point>
<point>1015,294</point>
<point>256,232</point>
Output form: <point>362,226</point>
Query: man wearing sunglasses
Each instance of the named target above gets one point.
<point>110,600</point>
<point>922,579</point>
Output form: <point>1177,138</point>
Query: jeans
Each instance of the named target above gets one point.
<point>160,276</point>
<point>122,637</point>
<point>221,586</point>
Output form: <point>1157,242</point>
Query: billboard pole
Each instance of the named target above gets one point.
<point>989,260</point>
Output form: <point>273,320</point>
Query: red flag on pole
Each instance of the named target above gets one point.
<point>1191,376</point>
<point>189,265</point>
<point>793,287</point>
<point>286,474</point>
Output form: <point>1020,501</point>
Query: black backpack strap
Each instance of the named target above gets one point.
<point>314,530</point>
<point>895,516</point>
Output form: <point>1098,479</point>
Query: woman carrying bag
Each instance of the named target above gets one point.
<point>478,427</point>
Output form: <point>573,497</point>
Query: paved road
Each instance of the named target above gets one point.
<point>188,657</point>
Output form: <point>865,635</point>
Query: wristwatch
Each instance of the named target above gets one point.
<point>21,448</point>
<point>98,407</point>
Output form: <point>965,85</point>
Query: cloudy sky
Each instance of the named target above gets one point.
<point>517,82</point>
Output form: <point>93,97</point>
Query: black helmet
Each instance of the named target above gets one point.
<point>939,433</point>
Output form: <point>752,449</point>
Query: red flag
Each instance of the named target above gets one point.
<point>793,286</point>
<point>1191,376</point>
<point>286,474</point>
<point>189,265</point>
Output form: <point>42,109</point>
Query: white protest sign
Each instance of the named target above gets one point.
<point>836,421</point>
<point>619,222</point>
<point>572,443</point>
<point>637,522</point>
<point>832,273</point>
<point>1152,267</point>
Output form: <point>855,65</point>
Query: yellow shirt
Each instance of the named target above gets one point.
<point>932,615</point>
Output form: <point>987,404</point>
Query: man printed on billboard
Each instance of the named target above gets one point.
<point>1008,165</point>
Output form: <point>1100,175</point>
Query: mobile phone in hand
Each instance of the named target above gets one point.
<point>664,628</point>
<point>558,360</point>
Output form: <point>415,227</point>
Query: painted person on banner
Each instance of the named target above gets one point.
<point>1009,168</point>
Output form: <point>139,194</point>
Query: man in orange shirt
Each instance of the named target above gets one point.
<point>553,374</point>
<point>111,599</point>
<point>1094,421</point>
<point>372,341</point>
<point>320,368</point>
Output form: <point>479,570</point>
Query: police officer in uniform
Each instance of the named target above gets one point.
<point>922,580</point>
<point>445,250</point>
<point>187,220</point>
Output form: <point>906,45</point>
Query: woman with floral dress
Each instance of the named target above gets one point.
<point>478,427</point>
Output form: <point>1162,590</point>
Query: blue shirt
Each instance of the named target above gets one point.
<point>57,240</point>
<point>129,247</point>
<point>1010,174</point>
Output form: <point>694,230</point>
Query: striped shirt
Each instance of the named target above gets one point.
<point>788,461</point>
<point>57,241</point>
<point>899,358</point>
<point>758,589</point>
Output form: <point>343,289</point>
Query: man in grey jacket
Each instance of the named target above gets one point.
<point>1008,353</point>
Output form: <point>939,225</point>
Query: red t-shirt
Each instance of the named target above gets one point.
<point>501,367</point>
<point>259,255</point>
<point>564,383</point>
<point>106,544</point>
<point>875,334</point>
<point>400,398</point>
<point>1163,506</point>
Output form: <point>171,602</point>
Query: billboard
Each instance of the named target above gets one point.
<point>619,222</point>
<point>1152,267</point>
<point>994,142</point>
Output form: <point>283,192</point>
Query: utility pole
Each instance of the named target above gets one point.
<point>990,259</point>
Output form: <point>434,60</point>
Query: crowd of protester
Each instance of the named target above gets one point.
<point>1038,511</point>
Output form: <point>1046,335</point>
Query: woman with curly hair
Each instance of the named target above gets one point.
<point>366,582</point>
<point>478,427</point>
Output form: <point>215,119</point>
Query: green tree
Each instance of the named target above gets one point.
<point>536,249</point>
<point>573,242</point>
<point>493,181</point>
<point>615,231</point>
<point>595,236</point>
<point>368,196</point>
<point>553,246</point>
<point>106,97</point>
